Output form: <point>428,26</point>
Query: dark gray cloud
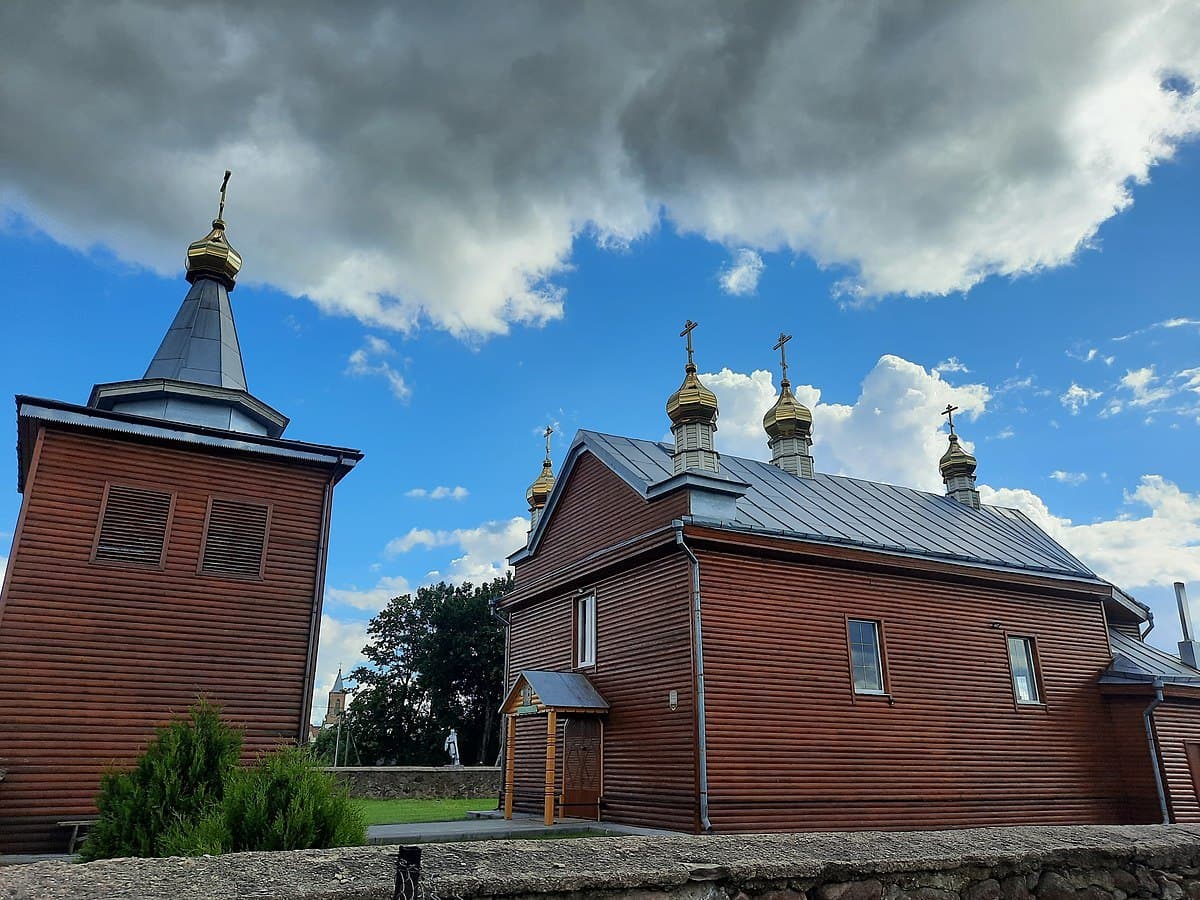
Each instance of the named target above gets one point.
<point>434,162</point>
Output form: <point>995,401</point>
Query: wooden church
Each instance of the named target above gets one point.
<point>171,543</point>
<point>706,643</point>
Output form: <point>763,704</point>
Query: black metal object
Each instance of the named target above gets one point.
<point>408,873</point>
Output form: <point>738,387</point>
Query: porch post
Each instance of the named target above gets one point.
<point>509,757</point>
<point>551,735</point>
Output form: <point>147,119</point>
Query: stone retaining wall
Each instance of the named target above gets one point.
<point>421,782</point>
<point>1035,863</point>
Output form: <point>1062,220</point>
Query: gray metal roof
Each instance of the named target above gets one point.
<point>843,510</point>
<point>1137,661</point>
<point>564,689</point>
<point>201,346</point>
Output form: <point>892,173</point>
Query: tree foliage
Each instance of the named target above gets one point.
<point>436,663</point>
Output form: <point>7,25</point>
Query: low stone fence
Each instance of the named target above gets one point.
<point>1145,862</point>
<point>420,782</point>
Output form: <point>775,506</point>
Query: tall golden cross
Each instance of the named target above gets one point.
<point>224,184</point>
<point>688,327</point>
<point>549,431</point>
<point>948,412</point>
<point>779,345</point>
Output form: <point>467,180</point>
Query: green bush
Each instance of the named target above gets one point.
<point>284,803</point>
<point>179,778</point>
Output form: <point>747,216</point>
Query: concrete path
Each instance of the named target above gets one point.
<point>494,829</point>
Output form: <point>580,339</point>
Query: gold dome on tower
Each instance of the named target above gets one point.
<point>956,461</point>
<point>788,416</point>
<point>693,402</point>
<point>213,256</point>
<point>539,491</point>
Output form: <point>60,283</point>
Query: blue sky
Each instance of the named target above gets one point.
<point>1027,254</point>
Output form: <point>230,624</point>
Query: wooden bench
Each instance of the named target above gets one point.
<point>76,826</point>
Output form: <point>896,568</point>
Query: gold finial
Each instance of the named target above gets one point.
<point>688,327</point>
<point>539,491</point>
<point>779,345</point>
<point>948,412</point>
<point>224,184</point>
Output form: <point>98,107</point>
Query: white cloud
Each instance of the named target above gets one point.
<point>1175,322</point>
<point>370,599</point>
<point>893,432</point>
<point>340,646</point>
<point>1132,552</point>
<point>1004,434</point>
<point>1072,478</point>
<point>1144,387</point>
<point>953,364</point>
<point>458,492</point>
<point>1077,397</point>
<point>368,360</point>
<point>384,166</point>
<point>485,548</point>
<point>740,277</point>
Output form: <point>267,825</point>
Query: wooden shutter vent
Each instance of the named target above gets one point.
<point>133,526</point>
<point>236,538</point>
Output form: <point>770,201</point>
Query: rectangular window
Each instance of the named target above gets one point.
<point>585,630</point>
<point>235,538</point>
<point>133,526</point>
<point>865,657</point>
<point>1024,671</point>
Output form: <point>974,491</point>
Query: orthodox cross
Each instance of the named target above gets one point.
<point>549,431</point>
<point>224,184</point>
<point>779,345</point>
<point>688,326</point>
<point>948,412</point>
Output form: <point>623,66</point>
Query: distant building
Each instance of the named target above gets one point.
<point>334,709</point>
<point>171,543</point>
<point>703,642</point>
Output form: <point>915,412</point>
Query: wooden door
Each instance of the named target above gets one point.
<point>583,752</point>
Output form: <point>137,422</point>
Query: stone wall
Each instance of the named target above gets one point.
<point>422,782</point>
<point>1144,862</point>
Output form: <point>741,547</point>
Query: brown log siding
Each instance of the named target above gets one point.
<point>92,656</point>
<point>643,651</point>
<point>596,510</point>
<point>791,747</point>
<point>1177,724</point>
<point>1129,746</point>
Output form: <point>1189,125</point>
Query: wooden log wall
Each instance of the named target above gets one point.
<point>93,656</point>
<point>1130,750</point>
<point>643,651</point>
<point>1177,725</point>
<point>792,748</point>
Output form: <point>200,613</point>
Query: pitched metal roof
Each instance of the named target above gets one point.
<point>1137,661</point>
<point>570,690</point>
<point>338,687</point>
<point>842,510</point>
<point>201,346</point>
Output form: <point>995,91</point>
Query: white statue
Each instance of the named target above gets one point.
<point>451,747</point>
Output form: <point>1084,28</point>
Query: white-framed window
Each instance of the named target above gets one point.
<point>585,630</point>
<point>866,659</point>
<point>1022,661</point>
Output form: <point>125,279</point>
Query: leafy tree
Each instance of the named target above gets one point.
<point>436,663</point>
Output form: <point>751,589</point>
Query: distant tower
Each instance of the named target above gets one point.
<point>958,468</point>
<point>171,544</point>
<point>337,702</point>
<point>693,413</point>
<point>789,425</point>
<point>539,491</point>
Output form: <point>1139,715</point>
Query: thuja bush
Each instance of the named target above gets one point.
<point>187,796</point>
<point>284,803</point>
<point>179,778</point>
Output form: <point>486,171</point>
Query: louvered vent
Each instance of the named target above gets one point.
<point>236,538</point>
<point>133,526</point>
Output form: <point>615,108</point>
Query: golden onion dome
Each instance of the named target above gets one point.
<point>956,461</point>
<point>693,402</point>
<point>213,257</point>
<point>540,490</point>
<point>788,417</point>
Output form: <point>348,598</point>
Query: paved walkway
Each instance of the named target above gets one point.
<point>520,826</point>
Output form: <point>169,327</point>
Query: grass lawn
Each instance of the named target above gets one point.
<point>399,812</point>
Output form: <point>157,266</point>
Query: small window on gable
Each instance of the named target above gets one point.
<point>585,630</point>
<point>866,660</point>
<point>1022,661</point>
<point>235,538</point>
<point>133,526</point>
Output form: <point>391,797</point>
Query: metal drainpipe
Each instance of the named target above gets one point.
<point>698,652</point>
<point>1148,718</point>
<point>503,693</point>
